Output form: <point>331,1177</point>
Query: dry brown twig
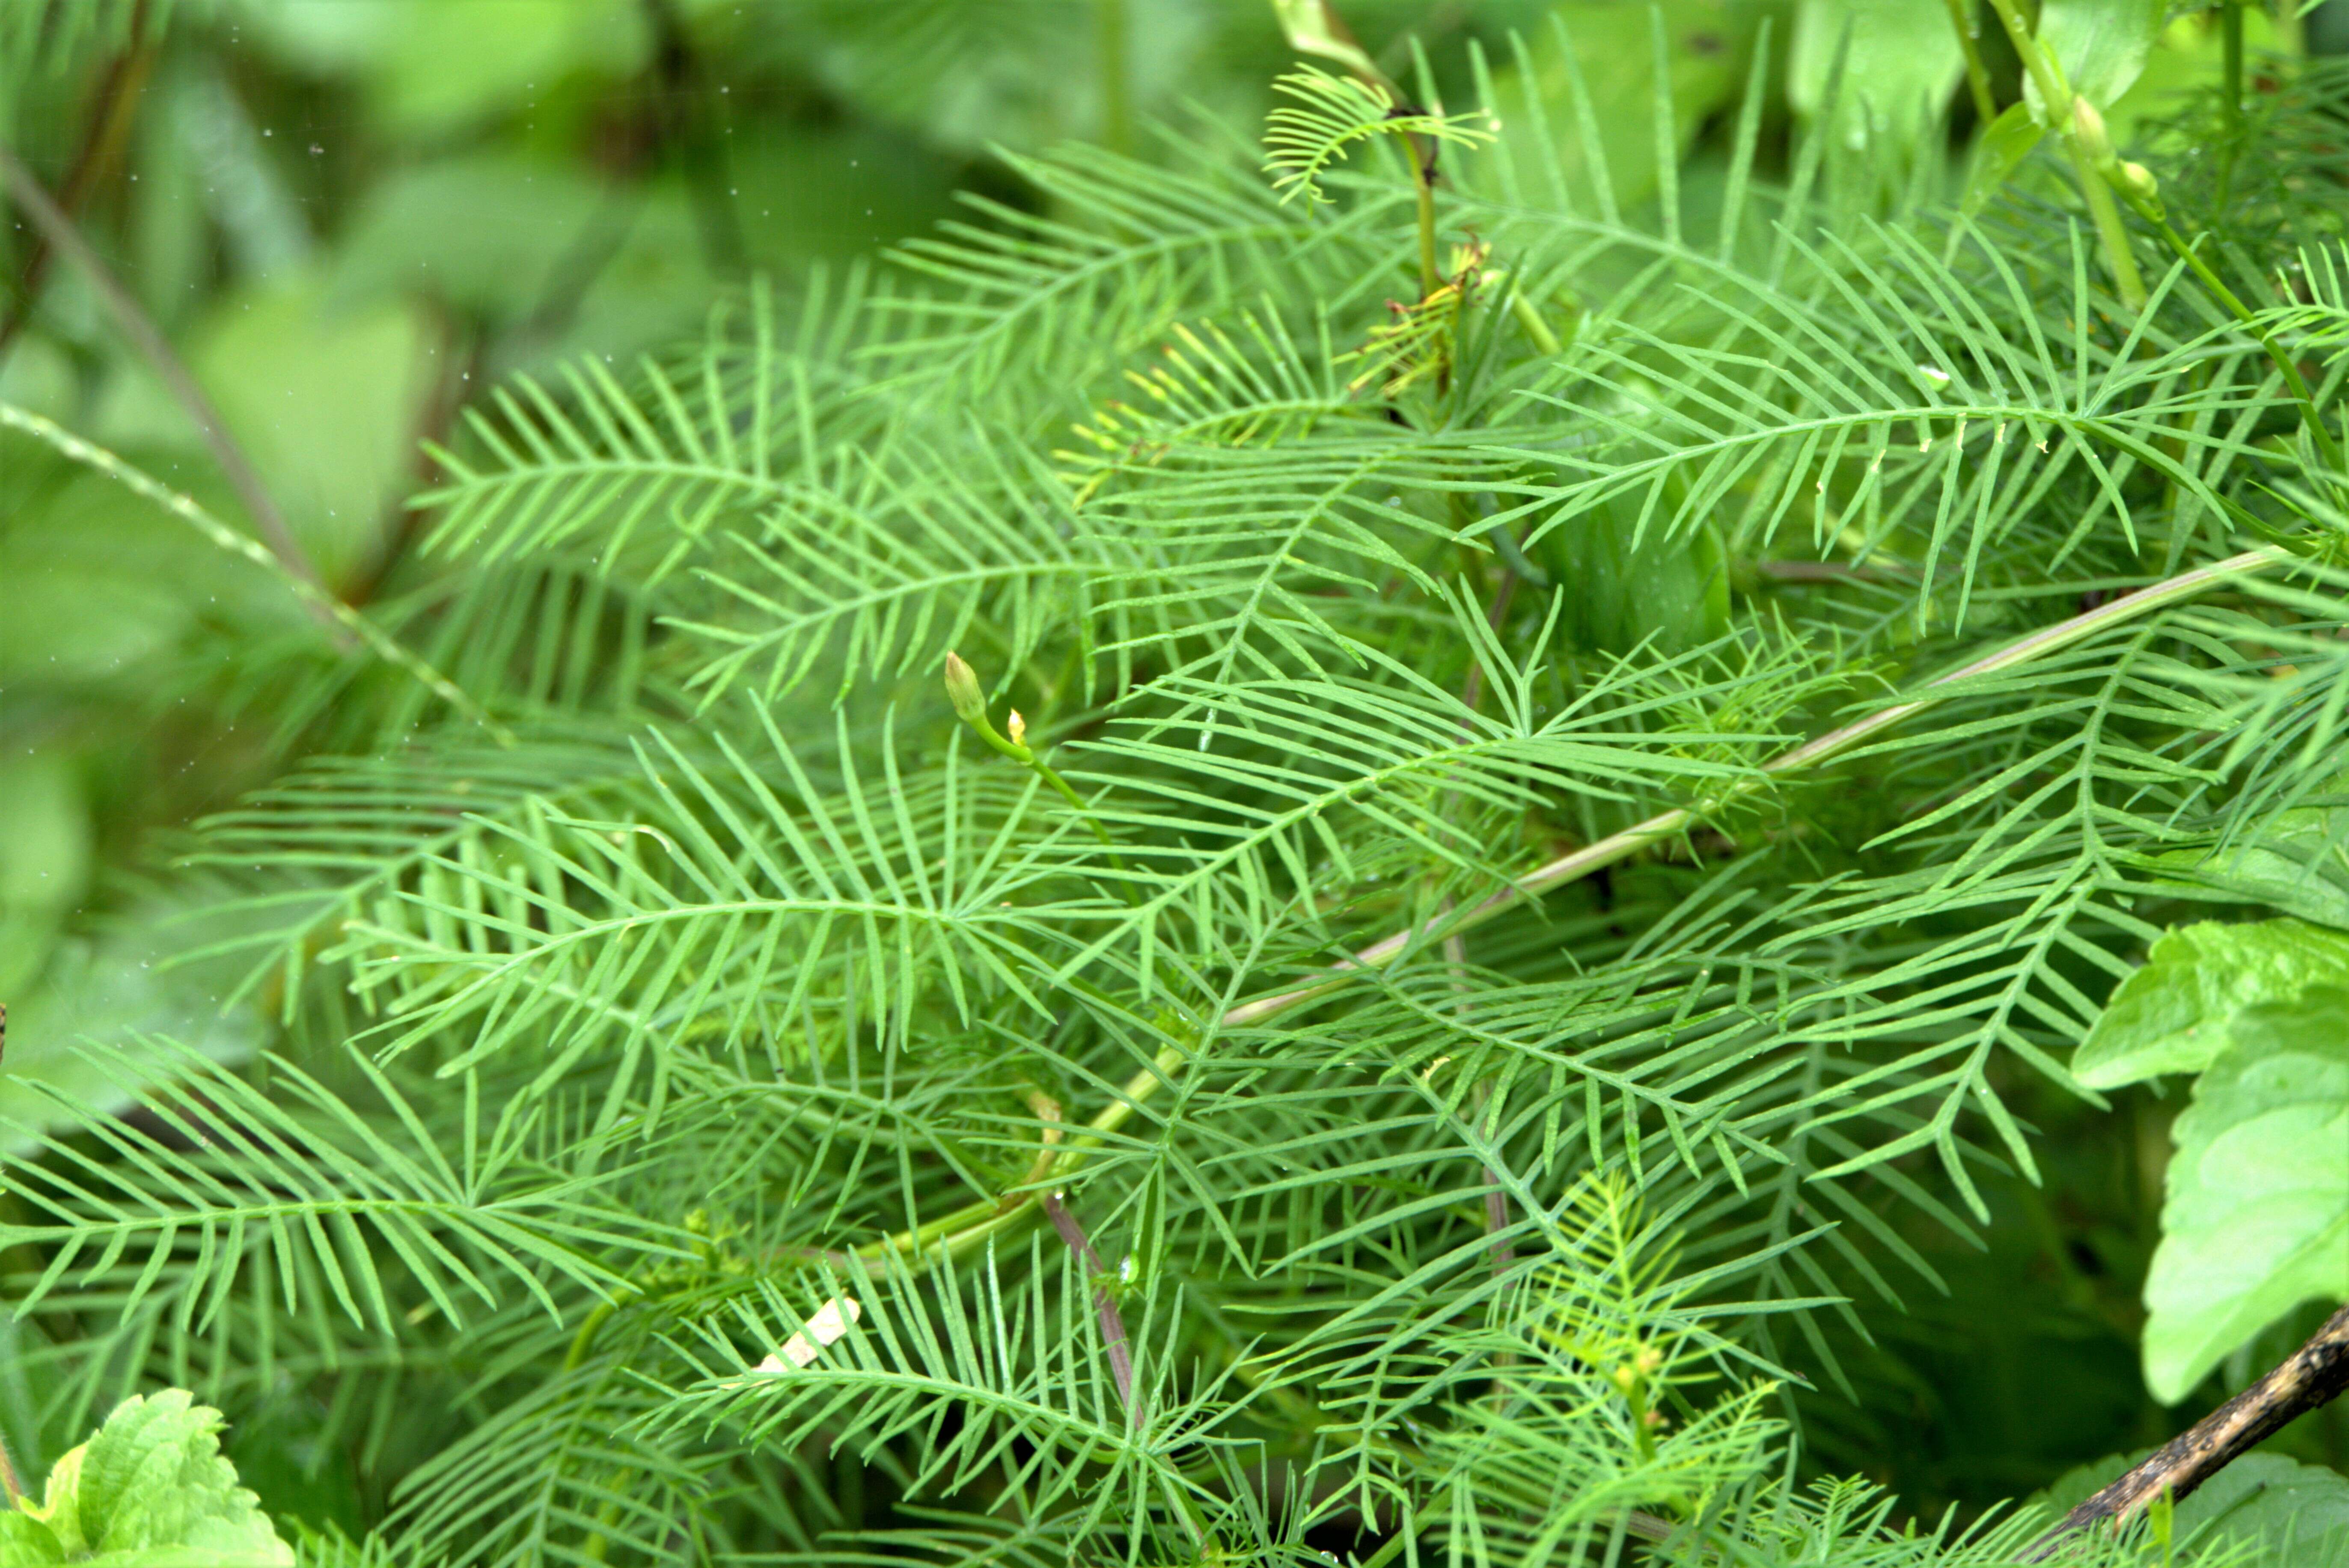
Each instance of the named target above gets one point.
<point>2312,1375</point>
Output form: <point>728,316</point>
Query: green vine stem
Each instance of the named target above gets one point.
<point>1423,168</point>
<point>1665,825</point>
<point>131,319</point>
<point>2295,382</point>
<point>1110,42</point>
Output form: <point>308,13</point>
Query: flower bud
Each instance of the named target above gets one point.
<point>962,691</point>
<point>1017,727</point>
<point>2138,183</point>
<point>2089,126</point>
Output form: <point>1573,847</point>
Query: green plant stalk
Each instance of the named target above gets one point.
<point>1425,179</point>
<point>970,706</point>
<point>1536,327</point>
<point>2231,43</point>
<point>968,1228</point>
<point>2056,101</point>
<point>2112,234</point>
<point>57,227</point>
<point>1963,17</point>
<point>1045,770</point>
<point>1110,43</point>
<point>2230,108</point>
<point>2309,417</point>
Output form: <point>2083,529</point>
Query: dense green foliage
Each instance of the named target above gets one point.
<point>749,977</point>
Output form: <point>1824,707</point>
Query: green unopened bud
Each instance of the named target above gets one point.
<point>2138,184</point>
<point>962,691</point>
<point>2088,127</point>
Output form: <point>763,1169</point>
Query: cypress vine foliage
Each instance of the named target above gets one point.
<point>1299,860</point>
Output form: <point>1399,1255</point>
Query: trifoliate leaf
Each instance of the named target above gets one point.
<point>2256,1217</point>
<point>150,1491</point>
<point>2173,1016</point>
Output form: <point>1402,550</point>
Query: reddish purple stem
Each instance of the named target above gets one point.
<point>1112,1326</point>
<point>1496,1219</point>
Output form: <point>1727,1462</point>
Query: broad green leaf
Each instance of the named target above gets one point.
<point>2284,1514</point>
<point>324,400</point>
<point>45,847</point>
<point>1900,66</point>
<point>444,65</point>
<point>482,232</point>
<point>1675,591</point>
<point>1609,133</point>
<point>2190,55</point>
<point>2101,44</point>
<point>126,988</point>
<point>150,1491</point>
<point>1312,27</point>
<point>2297,1515</point>
<point>37,375</point>
<point>326,403</point>
<point>2174,1014</point>
<point>2257,1216</point>
<point>2297,862</point>
<point>974,75</point>
<point>100,582</point>
<point>2000,152</point>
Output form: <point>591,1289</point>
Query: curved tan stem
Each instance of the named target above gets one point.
<point>1581,862</point>
<point>967,1227</point>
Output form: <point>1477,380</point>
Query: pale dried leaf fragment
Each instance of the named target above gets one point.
<point>829,1321</point>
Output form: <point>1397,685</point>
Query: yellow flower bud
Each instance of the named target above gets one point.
<point>1017,727</point>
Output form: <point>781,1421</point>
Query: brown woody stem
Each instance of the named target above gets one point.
<point>2312,1375</point>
